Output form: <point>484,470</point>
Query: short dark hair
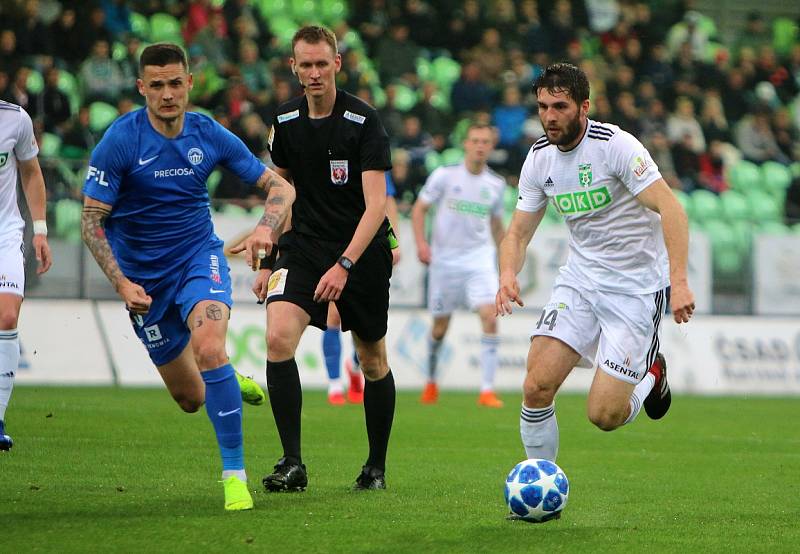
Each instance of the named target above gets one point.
<point>314,34</point>
<point>564,77</point>
<point>161,54</point>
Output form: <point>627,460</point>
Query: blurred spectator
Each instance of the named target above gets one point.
<point>603,15</point>
<point>129,65</point>
<point>396,55</point>
<point>658,69</point>
<point>689,30</point>
<point>503,18</point>
<point>786,134</point>
<point>601,109</point>
<point>350,78</point>
<point>212,43</point>
<point>101,77</point>
<point>735,99</point>
<point>562,26</point>
<point>713,121</point>
<point>91,27</point>
<point>712,169</point>
<point>683,127</point>
<point>18,93</point>
<point>755,139</point>
<point>414,139</point>
<point>623,80</point>
<point>464,28</point>
<point>792,206</point>
<point>9,57</point>
<point>245,21</point>
<point>755,33</point>
<point>654,120</point>
<point>433,119</point>
<point>422,22</point>
<point>125,105</point>
<point>118,18</point>
<point>78,135</point>
<point>535,35</point>
<point>489,56</point>
<point>648,29</point>
<point>255,72</point>
<point>658,146</point>
<point>769,69</point>
<point>469,92</point>
<point>687,162</point>
<point>198,16</point>
<point>67,42</point>
<point>391,116</point>
<point>371,18</point>
<point>55,104</point>
<point>626,114</point>
<point>32,36</point>
<point>407,180</point>
<point>283,93</point>
<point>509,117</point>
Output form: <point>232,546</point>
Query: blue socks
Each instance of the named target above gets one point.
<point>224,408</point>
<point>332,349</point>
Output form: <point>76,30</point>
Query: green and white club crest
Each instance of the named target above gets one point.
<point>585,174</point>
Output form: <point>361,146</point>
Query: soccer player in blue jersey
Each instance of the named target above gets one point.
<point>146,220</point>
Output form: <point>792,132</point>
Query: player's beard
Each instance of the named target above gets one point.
<point>570,133</point>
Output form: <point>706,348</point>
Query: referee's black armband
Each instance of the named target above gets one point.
<point>269,261</point>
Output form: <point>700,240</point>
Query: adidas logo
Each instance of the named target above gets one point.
<point>549,182</point>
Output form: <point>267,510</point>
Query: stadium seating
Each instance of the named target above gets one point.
<point>432,161</point>
<point>50,145</point>
<point>775,178</point>
<point>68,220</point>
<point>785,34</point>
<point>764,208</point>
<point>405,97</point>
<point>140,26</point>
<point>745,176</point>
<point>686,202</point>
<point>303,10</point>
<point>705,206</point>
<point>446,71</point>
<point>734,206</point>
<point>68,84</point>
<point>333,10</point>
<point>165,28</point>
<point>452,156</point>
<point>101,115</point>
<point>35,82</point>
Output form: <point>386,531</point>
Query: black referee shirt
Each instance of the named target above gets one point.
<point>326,162</point>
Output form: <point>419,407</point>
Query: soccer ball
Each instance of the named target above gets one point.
<point>536,490</point>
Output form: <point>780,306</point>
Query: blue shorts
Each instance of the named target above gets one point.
<point>163,329</point>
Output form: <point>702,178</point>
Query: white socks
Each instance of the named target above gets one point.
<point>240,473</point>
<point>539,431</point>
<point>489,345</point>
<point>640,392</point>
<point>9,363</point>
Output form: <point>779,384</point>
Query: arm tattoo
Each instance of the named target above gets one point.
<point>93,235</point>
<point>213,312</point>
<point>275,208</point>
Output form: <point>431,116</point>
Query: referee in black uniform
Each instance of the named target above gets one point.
<point>334,150</point>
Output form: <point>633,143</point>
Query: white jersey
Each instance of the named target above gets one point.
<point>16,143</point>
<point>465,203</point>
<point>616,244</point>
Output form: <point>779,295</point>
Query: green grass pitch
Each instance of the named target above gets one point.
<point>123,470</point>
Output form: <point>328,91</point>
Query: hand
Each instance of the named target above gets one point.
<point>261,285</point>
<point>424,252</point>
<point>508,293</point>
<point>43,255</point>
<point>682,302</point>
<point>256,247</point>
<point>136,299</point>
<point>330,286</point>
<point>395,256</point>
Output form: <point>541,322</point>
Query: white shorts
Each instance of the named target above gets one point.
<point>451,289</point>
<point>12,266</point>
<point>618,331</point>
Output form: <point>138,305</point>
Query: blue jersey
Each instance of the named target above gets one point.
<point>156,186</point>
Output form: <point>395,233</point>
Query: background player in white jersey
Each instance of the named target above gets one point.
<point>18,152</point>
<point>628,243</point>
<point>462,257</point>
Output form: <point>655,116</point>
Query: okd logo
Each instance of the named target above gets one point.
<point>581,202</point>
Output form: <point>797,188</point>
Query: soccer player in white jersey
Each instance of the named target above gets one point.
<point>18,152</point>
<point>628,243</point>
<point>462,254</point>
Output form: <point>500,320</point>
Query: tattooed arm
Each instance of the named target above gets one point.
<point>94,236</point>
<point>280,197</point>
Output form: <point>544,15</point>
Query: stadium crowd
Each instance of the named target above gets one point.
<point>699,105</point>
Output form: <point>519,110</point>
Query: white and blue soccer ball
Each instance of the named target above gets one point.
<point>536,490</point>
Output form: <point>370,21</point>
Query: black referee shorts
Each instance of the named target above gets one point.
<point>364,303</point>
